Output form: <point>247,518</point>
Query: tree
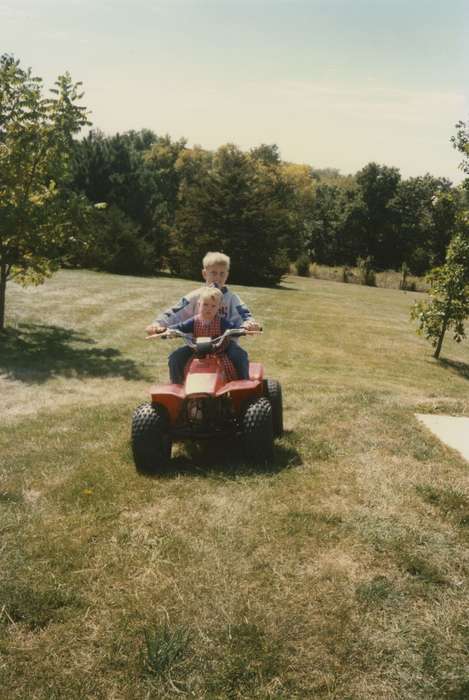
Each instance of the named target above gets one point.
<point>111,169</point>
<point>302,183</point>
<point>39,215</point>
<point>326,219</point>
<point>267,154</point>
<point>116,245</point>
<point>425,213</point>
<point>449,293</point>
<point>461,143</point>
<point>162,177</point>
<point>449,296</point>
<point>240,204</point>
<point>371,222</point>
<point>136,173</point>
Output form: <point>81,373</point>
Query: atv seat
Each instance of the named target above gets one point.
<point>256,371</point>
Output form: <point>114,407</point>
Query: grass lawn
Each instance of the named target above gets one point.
<point>340,571</point>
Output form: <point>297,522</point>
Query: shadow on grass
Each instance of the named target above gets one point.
<point>33,353</point>
<point>461,368</point>
<point>226,460</point>
<point>285,287</point>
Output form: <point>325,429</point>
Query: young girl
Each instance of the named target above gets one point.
<point>209,324</point>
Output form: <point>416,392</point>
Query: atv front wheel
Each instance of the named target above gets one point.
<point>258,434</point>
<point>151,442</point>
<point>273,391</point>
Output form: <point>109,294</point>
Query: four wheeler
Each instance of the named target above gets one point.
<point>207,406</point>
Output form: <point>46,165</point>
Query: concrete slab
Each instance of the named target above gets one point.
<point>452,430</point>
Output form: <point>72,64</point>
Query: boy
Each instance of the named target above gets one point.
<point>216,268</point>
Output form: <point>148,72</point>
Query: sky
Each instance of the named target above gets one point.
<point>334,83</point>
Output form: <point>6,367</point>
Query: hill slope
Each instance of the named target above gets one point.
<point>341,571</point>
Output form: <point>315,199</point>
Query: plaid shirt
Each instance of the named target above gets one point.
<point>209,329</point>
<point>213,329</point>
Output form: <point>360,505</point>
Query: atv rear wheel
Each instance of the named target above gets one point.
<point>151,442</point>
<point>273,391</point>
<point>258,434</point>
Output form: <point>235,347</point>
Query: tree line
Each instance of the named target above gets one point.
<point>167,203</point>
<point>139,203</point>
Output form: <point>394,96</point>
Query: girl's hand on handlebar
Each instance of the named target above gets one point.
<point>161,335</point>
<point>251,326</point>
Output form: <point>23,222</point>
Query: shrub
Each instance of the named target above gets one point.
<point>405,273</point>
<point>117,246</point>
<point>420,261</point>
<point>302,265</point>
<point>404,282</point>
<point>366,273</point>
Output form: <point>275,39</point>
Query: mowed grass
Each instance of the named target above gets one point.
<point>338,571</point>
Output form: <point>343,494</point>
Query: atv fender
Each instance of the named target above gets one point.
<point>169,395</point>
<point>241,390</point>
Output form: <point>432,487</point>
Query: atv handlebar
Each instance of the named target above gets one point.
<point>215,343</point>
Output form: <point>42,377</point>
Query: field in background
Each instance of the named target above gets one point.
<point>341,571</point>
<point>388,279</point>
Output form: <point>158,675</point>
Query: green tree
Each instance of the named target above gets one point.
<point>39,215</point>
<point>136,173</point>
<point>326,221</point>
<point>162,177</point>
<point>425,215</point>
<point>117,246</point>
<point>267,154</point>
<point>238,203</point>
<point>448,306</point>
<point>112,169</point>
<point>461,143</point>
<point>371,221</point>
<point>445,210</point>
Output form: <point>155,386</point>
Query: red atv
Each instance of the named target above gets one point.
<point>208,406</point>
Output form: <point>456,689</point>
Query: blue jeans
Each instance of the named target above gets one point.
<point>178,360</point>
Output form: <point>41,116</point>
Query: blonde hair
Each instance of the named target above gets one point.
<point>211,293</point>
<point>216,258</point>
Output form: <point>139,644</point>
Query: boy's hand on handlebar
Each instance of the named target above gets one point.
<point>155,329</point>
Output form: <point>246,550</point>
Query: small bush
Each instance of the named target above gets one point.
<point>420,262</point>
<point>405,273</point>
<point>366,273</point>
<point>302,265</point>
<point>314,270</point>
<point>404,282</point>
